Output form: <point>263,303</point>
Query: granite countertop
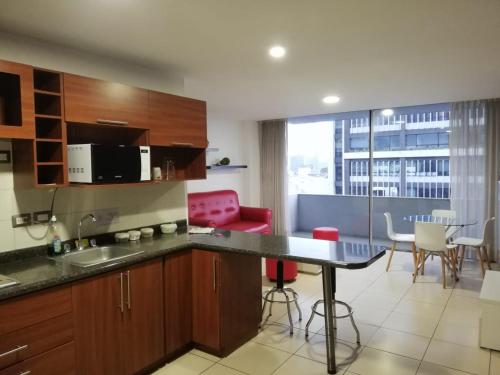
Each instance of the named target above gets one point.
<point>37,272</point>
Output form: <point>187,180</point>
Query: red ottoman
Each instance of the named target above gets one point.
<point>289,269</point>
<point>326,233</point>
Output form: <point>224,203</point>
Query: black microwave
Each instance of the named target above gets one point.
<point>93,163</point>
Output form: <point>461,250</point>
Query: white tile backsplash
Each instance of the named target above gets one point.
<point>137,206</point>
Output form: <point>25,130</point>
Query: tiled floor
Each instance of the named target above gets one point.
<point>405,328</point>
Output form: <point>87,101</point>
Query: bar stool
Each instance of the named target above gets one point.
<point>331,234</point>
<point>280,289</point>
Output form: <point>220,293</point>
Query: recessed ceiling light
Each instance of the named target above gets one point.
<point>277,52</point>
<point>331,99</point>
<point>387,112</point>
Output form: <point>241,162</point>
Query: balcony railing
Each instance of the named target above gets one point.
<point>350,213</point>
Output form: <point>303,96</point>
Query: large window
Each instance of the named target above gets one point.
<point>328,154</point>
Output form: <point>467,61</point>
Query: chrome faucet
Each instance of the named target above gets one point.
<point>82,220</point>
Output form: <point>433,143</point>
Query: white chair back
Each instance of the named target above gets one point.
<point>390,229</point>
<point>449,214</point>
<point>430,236</point>
<point>487,229</point>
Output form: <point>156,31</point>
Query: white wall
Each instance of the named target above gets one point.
<point>53,56</point>
<point>239,141</point>
<point>137,206</point>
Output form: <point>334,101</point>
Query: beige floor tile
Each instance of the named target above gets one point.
<point>278,336</point>
<point>370,315</point>
<point>401,343</point>
<point>495,363</point>
<point>429,292</point>
<point>315,349</point>
<point>377,362</point>
<point>432,369</point>
<point>297,365</point>
<point>221,370</point>
<point>411,323</point>
<point>462,316</point>
<point>253,358</point>
<point>377,299</point>
<point>208,356</point>
<point>459,357</point>
<point>346,332</point>
<point>316,324</point>
<point>408,306</point>
<point>463,334</point>
<point>188,364</point>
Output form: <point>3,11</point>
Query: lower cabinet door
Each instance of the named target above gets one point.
<point>99,324</point>
<point>206,309</point>
<point>144,331</point>
<point>178,302</point>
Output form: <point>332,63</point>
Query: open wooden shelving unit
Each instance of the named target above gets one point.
<point>50,130</point>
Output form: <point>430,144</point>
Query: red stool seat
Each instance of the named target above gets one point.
<point>326,233</point>
<point>289,269</point>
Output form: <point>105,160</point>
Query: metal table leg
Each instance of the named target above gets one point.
<point>328,296</point>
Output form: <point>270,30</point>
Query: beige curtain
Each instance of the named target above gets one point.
<point>475,164</point>
<point>273,171</point>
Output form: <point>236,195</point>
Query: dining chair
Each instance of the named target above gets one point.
<point>481,245</point>
<point>398,238</point>
<point>448,214</point>
<point>431,238</point>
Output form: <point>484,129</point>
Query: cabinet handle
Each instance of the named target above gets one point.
<point>13,351</point>
<point>214,273</point>
<point>121,292</point>
<point>111,122</point>
<point>25,372</point>
<point>129,302</point>
<point>182,144</point>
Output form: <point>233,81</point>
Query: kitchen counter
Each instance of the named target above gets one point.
<point>35,273</point>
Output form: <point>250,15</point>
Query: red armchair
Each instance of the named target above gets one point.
<point>221,209</point>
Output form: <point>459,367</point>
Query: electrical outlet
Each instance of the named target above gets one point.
<point>107,216</point>
<point>41,217</point>
<point>21,220</point>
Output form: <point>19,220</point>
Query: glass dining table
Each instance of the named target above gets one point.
<point>453,225</point>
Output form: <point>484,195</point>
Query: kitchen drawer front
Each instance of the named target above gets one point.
<point>36,339</point>
<point>58,361</point>
<point>32,309</point>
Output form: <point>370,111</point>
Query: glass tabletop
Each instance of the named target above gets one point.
<point>438,219</point>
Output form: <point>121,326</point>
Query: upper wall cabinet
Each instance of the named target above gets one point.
<point>92,101</point>
<point>176,121</point>
<point>17,105</point>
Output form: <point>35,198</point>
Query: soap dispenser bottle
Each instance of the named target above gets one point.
<point>53,238</point>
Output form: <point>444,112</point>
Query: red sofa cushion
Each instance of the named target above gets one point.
<point>248,226</point>
<point>218,208</point>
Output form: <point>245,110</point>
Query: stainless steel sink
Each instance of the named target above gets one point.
<point>97,255</point>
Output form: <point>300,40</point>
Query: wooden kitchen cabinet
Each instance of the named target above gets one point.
<point>36,331</point>
<point>226,300</point>
<point>178,302</point>
<point>17,102</point>
<point>176,121</point>
<point>144,319</point>
<point>119,320</point>
<point>93,101</point>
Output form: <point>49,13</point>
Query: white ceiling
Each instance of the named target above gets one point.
<point>372,53</point>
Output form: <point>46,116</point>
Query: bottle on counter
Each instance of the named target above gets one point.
<point>53,239</point>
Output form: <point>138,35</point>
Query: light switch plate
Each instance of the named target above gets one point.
<point>41,217</point>
<point>5,157</point>
<point>21,220</point>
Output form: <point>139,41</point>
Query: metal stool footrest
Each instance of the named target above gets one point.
<point>349,315</point>
<point>269,297</point>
